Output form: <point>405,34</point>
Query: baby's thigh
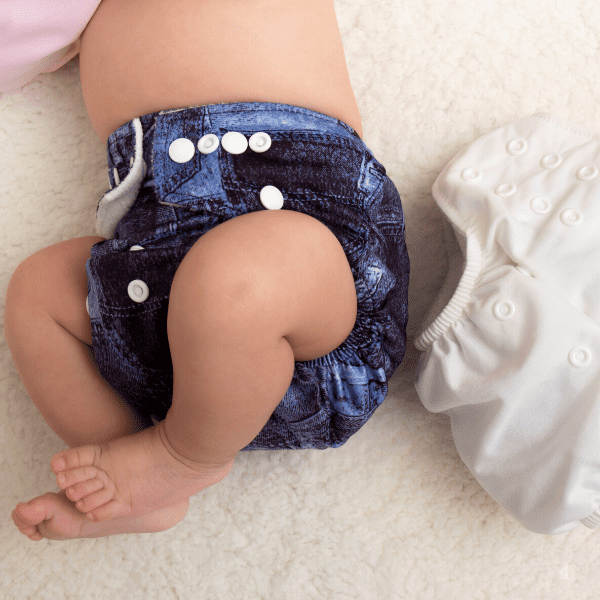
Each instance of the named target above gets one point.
<point>55,279</point>
<point>269,271</point>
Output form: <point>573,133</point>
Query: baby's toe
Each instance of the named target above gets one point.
<point>21,519</point>
<point>69,478</point>
<point>75,457</point>
<point>93,501</point>
<point>31,531</point>
<point>30,513</point>
<point>78,491</point>
<point>27,515</point>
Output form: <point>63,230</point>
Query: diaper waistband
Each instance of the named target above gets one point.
<point>131,146</point>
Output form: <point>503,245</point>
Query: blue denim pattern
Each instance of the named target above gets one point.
<point>323,169</point>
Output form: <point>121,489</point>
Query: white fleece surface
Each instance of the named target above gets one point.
<point>394,513</point>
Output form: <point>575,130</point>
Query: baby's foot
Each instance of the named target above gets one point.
<point>131,476</point>
<point>54,516</point>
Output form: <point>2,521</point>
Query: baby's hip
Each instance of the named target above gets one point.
<point>177,174</point>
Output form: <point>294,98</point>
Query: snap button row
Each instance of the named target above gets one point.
<point>570,216</point>
<point>182,150</point>
<point>518,147</point>
<point>579,357</point>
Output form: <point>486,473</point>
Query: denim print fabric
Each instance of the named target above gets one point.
<point>323,169</point>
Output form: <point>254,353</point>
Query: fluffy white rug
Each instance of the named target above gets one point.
<point>394,513</point>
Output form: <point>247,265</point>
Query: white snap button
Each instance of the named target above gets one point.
<point>580,356</point>
<point>138,290</point>
<point>471,175</point>
<point>540,205</point>
<point>116,176</point>
<point>271,197</point>
<point>551,161</point>
<point>506,189</point>
<point>260,142</point>
<point>234,142</point>
<point>131,161</point>
<point>87,305</point>
<point>182,150</point>
<point>504,310</point>
<point>587,173</point>
<point>523,270</point>
<point>133,248</point>
<point>571,217</point>
<point>208,143</point>
<point>517,147</point>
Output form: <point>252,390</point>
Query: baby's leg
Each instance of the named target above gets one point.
<point>251,297</point>
<point>46,325</point>
<point>311,307</point>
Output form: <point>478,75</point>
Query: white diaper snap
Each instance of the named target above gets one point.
<point>511,349</point>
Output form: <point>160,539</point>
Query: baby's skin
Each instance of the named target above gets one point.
<point>126,480</point>
<point>133,484</point>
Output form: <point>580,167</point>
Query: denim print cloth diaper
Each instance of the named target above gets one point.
<point>175,175</point>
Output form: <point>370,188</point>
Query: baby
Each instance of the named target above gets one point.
<point>248,287</point>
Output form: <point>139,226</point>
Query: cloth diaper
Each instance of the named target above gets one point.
<point>511,347</point>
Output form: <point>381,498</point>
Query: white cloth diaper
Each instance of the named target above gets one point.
<point>511,348</point>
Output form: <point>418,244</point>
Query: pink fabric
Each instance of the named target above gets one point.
<point>39,36</point>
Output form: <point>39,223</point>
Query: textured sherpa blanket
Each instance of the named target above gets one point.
<point>394,513</point>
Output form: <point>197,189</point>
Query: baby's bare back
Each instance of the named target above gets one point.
<point>142,56</point>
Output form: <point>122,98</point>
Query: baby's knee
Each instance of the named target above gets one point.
<point>54,279</point>
<point>277,274</point>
